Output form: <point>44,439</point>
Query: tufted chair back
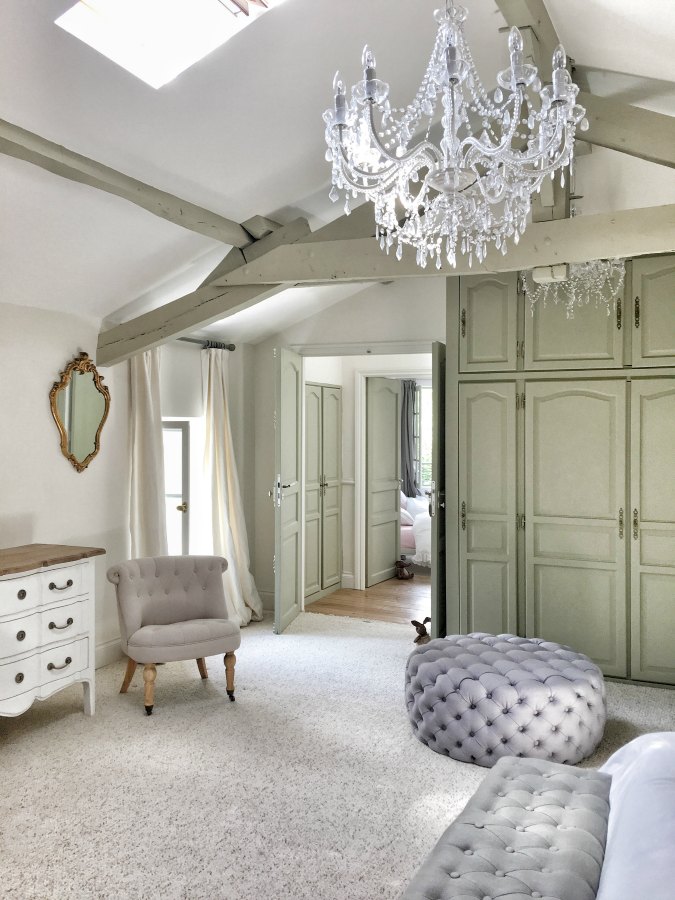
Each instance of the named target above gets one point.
<point>167,589</point>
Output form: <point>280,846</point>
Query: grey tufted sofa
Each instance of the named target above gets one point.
<point>480,697</point>
<point>532,829</point>
<point>536,829</point>
<point>172,608</point>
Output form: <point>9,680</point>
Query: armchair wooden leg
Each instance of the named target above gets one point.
<point>149,675</point>
<point>128,675</point>
<point>201,665</point>
<point>230,660</point>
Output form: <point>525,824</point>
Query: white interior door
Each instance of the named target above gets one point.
<point>383,472</point>
<point>650,527</point>
<point>575,483</point>
<point>287,493</point>
<point>313,488</point>
<point>437,499</point>
<point>331,519</point>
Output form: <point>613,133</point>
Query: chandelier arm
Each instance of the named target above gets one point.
<point>424,147</point>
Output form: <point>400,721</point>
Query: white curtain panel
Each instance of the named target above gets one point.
<point>147,504</point>
<point>229,527</point>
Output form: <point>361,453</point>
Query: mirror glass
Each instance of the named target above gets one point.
<point>80,405</point>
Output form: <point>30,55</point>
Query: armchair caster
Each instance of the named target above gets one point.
<point>230,694</point>
<point>148,710</point>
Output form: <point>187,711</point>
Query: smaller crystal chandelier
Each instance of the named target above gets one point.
<point>475,187</point>
<point>600,281</point>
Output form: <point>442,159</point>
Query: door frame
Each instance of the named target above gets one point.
<point>360,376</point>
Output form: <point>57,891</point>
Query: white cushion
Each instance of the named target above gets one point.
<point>639,858</point>
<point>406,518</point>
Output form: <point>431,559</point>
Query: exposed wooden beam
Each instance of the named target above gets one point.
<point>260,226</point>
<point>629,129</point>
<point>205,305</point>
<point>201,307</point>
<point>533,14</point>
<point>624,233</point>
<point>32,148</point>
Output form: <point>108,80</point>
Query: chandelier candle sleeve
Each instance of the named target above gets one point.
<point>472,188</point>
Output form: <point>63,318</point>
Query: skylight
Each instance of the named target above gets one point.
<point>158,39</point>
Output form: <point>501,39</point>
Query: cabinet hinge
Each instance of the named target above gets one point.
<point>463,322</point>
<point>520,349</point>
<point>619,312</point>
<point>520,401</point>
<point>520,521</point>
<point>637,312</point>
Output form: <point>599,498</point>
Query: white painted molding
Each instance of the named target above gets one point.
<point>347,581</point>
<point>374,348</point>
<point>267,598</point>
<point>108,652</point>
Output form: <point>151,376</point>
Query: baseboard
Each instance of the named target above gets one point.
<point>347,581</point>
<point>108,653</point>
<point>267,598</point>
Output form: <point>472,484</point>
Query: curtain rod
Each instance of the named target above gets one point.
<point>208,345</point>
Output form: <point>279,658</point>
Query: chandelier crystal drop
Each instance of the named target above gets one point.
<point>474,187</point>
<point>600,281</point>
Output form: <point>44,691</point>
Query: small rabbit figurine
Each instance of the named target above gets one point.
<point>423,637</point>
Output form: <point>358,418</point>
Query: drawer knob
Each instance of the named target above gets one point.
<point>51,666</point>
<point>55,587</point>
<point>53,625</point>
<point>22,594</point>
<point>19,677</point>
<point>21,635</point>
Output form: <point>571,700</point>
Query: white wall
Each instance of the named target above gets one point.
<point>609,180</point>
<point>42,498</point>
<point>411,310</point>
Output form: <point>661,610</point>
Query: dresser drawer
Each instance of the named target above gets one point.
<point>17,677</point>
<point>61,622</point>
<point>20,635</point>
<point>61,584</point>
<point>60,662</point>
<point>20,594</point>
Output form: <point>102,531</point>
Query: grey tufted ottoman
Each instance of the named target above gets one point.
<point>479,697</point>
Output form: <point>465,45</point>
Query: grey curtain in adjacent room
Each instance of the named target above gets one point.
<point>408,393</point>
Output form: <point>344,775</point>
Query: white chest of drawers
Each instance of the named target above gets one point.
<point>46,623</point>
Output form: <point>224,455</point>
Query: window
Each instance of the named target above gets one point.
<point>423,435</point>
<point>177,486</point>
<point>156,40</point>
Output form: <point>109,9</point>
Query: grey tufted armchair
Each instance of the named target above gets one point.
<point>172,608</point>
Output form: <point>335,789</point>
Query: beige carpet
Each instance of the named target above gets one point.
<point>309,786</point>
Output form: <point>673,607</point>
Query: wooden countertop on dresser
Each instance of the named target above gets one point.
<point>14,560</point>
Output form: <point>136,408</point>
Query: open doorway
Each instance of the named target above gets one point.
<point>385,598</point>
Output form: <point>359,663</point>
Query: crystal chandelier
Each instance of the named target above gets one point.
<point>600,281</point>
<point>475,187</point>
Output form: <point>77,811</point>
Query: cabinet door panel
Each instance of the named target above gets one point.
<point>653,530</point>
<point>487,483</point>
<point>574,487</point>
<point>488,323</point>
<point>654,329</point>
<point>589,340</point>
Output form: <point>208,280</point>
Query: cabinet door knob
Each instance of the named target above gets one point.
<point>22,594</point>
<point>20,635</point>
<point>19,677</point>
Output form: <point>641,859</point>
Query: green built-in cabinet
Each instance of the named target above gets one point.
<point>565,514</point>
<point>323,492</point>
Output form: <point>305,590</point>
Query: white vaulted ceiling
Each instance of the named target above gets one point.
<point>239,133</point>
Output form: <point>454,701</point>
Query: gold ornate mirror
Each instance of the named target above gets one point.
<point>80,403</point>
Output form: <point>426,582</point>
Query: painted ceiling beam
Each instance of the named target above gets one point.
<point>623,233</point>
<point>32,148</point>
<point>201,307</point>
<point>533,14</point>
<point>629,129</point>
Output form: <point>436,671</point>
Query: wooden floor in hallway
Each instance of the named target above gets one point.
<point>390,601</point>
